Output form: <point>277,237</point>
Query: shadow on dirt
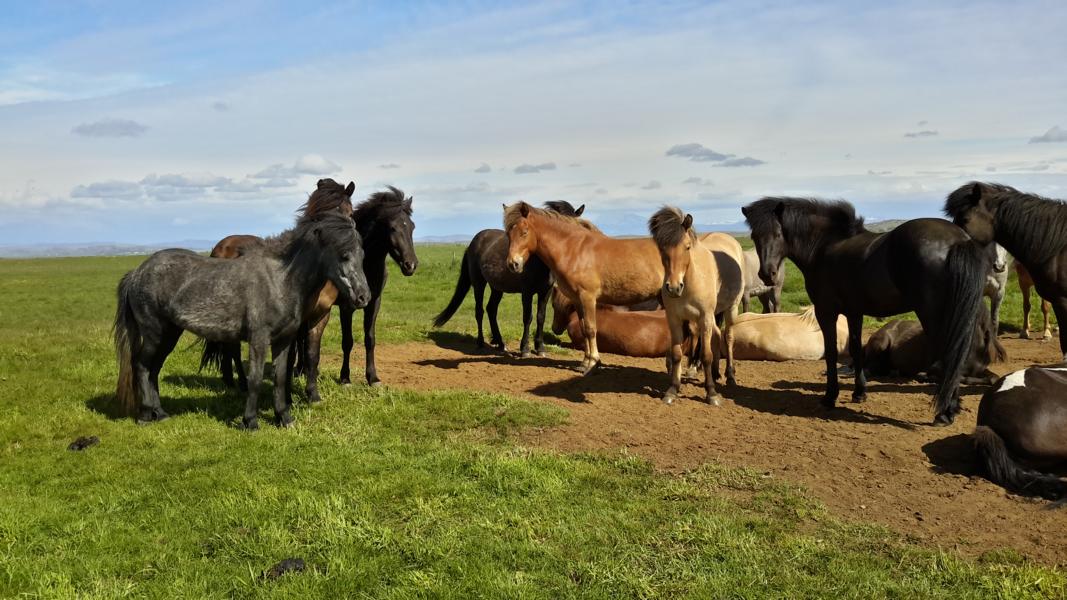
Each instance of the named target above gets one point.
<point>953,454</point>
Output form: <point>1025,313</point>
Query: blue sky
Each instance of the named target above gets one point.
<point>151,122</point>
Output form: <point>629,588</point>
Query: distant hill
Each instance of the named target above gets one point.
<point>98,249</point>
<point>884,226</point>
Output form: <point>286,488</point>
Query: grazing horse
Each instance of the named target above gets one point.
<point>783,336</point>
<point>1032,228</point>
<point>769,295</point>
<point>1025,284</point>
<point>485,262</point>
<point>260,298</point>
<point>694,292</point>
<point>997,283</point>
<point>902,348</point>
<point>927,265</point>
<point>588,265</point>
<point>1022,426</point>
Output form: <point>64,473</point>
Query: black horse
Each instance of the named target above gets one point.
<point>1022,426</point>
<point>486,262</point>
<point>1033,229</point>
<point>259,298</point>
<point>927,265</point>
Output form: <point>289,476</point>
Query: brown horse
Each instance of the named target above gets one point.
<point>1025,284</point>
<point>1022,426</point>
<point>694,292</point>
<point>588,265</point>
<point>640,333</point>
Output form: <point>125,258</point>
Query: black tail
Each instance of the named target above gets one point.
<point>300,347</point>
<point>1004,471</point>
<point>462,287</point>
<point>213,355</point>
<point>127,347</point>
<point>967,266</point>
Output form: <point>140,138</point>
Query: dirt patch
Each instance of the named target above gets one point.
<point>879,461</point>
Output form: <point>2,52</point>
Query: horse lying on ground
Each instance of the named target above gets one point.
<point>642,334</point>
<point>1026,283</point>
<point>1033,229</point>
<point>927,265</point>
<point>902,348</point>
<point>694,292</point>
<point>485,262</point>
<point>258,298</point>
<point>769,295</point>
<point>1022,426</point>
<point>783,336</point>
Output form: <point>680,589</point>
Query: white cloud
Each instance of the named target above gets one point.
<point>1054,135</point>
<point>745,161</point>
<point>528,168</point>
<point>220,106</point>
<point>110,128</point>
<point>696,152</point>
<point>483,168</point>
<point>309,164</point>
<point>698,181</point>
<point>124,190</point>
<point>389,166</point>
<point>921,134</point>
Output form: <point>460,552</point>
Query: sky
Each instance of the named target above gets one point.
<point>148,122</point>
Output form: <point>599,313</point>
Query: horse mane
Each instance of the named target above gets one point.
<point>838,219</point>
<point>1037,225</point>
<point>666,227</point>
<point>382,205</point>
<point>807,317</point>
<point>329,196</point>
<point>562,207</point>
<point>513,213</point>
<point>329,230</point>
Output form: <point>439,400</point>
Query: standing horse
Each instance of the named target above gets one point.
<point>259,298</point>
<point>1022,426</point>
<point>927,265</point>
<point>1026,283</point>
<point>694,291</point>
<point>1032,228</point>
<point>769,295</point>
<point>588,265</point>
<point>997,283</point>
<point>485,262</point>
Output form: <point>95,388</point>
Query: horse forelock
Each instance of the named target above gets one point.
<point>666,227</point>
<point>332,231</point>
<point>381,207</point>
<point>329,196</point>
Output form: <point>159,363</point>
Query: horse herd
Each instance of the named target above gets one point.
<point>673,295</point>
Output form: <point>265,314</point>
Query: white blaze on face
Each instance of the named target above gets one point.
<point>1013,380</point>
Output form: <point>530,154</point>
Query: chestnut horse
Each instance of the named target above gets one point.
<point>1026,283</point>
<point>694,292</point>
<point>1033,229</point>
<point>1022,426</point>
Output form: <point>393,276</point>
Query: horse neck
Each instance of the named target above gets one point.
<point>806,252</point>
<point>554,238</point>
<point>305,275</point>
<point>376,244</point>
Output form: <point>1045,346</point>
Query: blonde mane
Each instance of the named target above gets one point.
<point>513,213</point>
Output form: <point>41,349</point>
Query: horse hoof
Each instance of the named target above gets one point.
<point>828,403</point>
<point>313,397</point>
<point>589,368</point>
<point>525,354</point>
<point>286,421</point>
<point>944,420</point>
<point>375,384</point>
<point>250,424</point>
<point>859,398</point>
<point>669,398</point>
<point>730,380</point>
<point>714,400</point>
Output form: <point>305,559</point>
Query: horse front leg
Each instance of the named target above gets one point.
<point>495,339</point>
<point>1046,334</point>
<point>674,360</point>
<point>592,357</point>
<point>346,343</point>
<point>728,338</point>
<point>855,350</point>
<point>1026,314</point>
<point>370,321</point>
<point>709,333</point>
<point>257,355</point>
<point>312,352</point>
<point>280,355</point>
<point>527,318</point>
<point>828,323</point>
<point>539,333</point>
<point>994,308</point>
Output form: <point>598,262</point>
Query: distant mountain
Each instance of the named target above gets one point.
<point>444,239</point>
<point>98,249</point>
<point>884,226</point>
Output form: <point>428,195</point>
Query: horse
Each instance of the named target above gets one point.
<point>1025,284</point>
<point>1033,229</point>
<point>997,283</point>
<point>769,295</point>
<point>259,298</point>
<point>588,266</point>
<point>1022,422</point>
<point>642,334</point>
<point>386,229</point>
<point>927,265</point>
<point>783,336</point>
<point>693,292</point>
<point>485,262</point>
<point>902,348</point>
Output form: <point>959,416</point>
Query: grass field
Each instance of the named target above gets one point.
<point>387,492</point>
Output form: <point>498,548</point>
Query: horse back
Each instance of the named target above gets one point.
<point>1028,409</point>
<point>233,246</point>
<point>623,271</point>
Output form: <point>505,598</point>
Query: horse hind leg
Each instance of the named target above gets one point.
<point>1025,334</point>
<point>855,349</point>
<point>1047,333</point>
<point>233,356</point>
<point>728,340</point>
<point>496,340</point>
<point>155,352</point>
<point>257,355</point>
<point>710,332</point>
<point>479,294</point>
<point>280,357</point>
<point>527,318</point>
<point>539,333</point>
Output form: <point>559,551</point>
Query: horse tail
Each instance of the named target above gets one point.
<point>127,346</point>
<point>300,347</point>
<point>967,263</point>
<point>463,285</point>
<point>213,355</point>
<point>1004,471</point>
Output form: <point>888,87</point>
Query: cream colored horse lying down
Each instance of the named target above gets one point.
<point>784,336</point>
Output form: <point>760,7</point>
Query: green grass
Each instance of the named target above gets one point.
<point>387,493</point>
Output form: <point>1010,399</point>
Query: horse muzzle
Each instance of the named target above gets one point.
<point>674,291</point>
<point>408,267</point>
<point>516,265</point>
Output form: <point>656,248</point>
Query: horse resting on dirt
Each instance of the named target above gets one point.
<point>260,298</point>
<point>1033,229</point>
<point>386,229</point>
<point>927,265</point>
<point>485,262</point>
<point>694,292</point>
<point>1021,425</point>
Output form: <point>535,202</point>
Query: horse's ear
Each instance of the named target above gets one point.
<point>321,183</point>
<point>687,222</point>
<point>976,193</point>
<point>744,211</point>
<point>581,209</point>
<point>779,209</point>
<point>350,188</point>
<point>524,209</point>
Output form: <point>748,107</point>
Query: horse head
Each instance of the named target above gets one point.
<point>674,236</point>
<point>522,238</point>
<point>386,218</point>
<point>970,208</point>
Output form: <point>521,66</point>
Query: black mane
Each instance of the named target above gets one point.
<point>562,207</point>
<point>795,212</point>
<point>330,231</point>
<point>328,196</point>
<point>381,206</point>
<point>1037,225</point>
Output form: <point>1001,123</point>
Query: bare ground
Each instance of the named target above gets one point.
<point>880,461</point>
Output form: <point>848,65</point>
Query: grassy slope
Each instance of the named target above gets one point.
<point>385,493</point>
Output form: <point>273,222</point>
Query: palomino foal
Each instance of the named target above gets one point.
<point>691,293</point>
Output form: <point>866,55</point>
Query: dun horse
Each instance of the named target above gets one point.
<point>1033,229</point>
<point>926,265</point>
<point>694,291</point>
<point>1021,421</point>
<point>485,262</point>
<point>783,336</point>
<point>1026,283</point>
<point>259,298</point>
